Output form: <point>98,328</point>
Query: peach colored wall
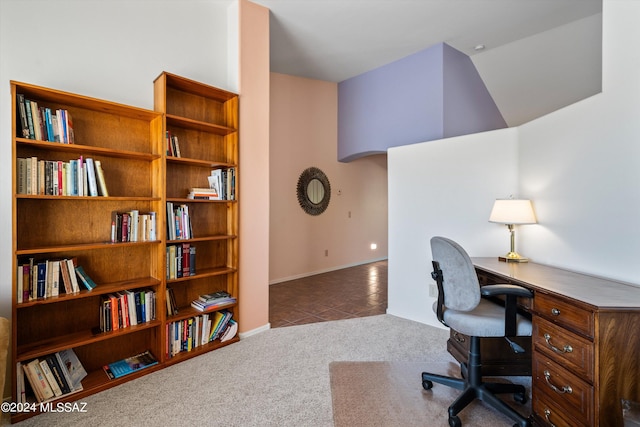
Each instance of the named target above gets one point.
<point>253,176</point>
<point>304,132</point>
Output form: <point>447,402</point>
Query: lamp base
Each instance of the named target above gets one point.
<point>513,257</point>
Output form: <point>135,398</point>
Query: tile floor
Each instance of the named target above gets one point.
<point>351,292</point>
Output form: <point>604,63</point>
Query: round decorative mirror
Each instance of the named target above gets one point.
<point>314,191</point>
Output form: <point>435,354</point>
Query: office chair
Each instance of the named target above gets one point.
<point>461,307</point>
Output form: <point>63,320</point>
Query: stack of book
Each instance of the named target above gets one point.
<point>201,193</point>
<point>50,377</point>
<point>213,301</point>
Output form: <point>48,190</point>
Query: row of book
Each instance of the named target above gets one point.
<point>133,226</point>
<point>50,278</point>
<point>77,177</point>
<point>213,301</point>
<point>50,377</point>
<point>43,123</point>
<point>181,260</point>
<point>173,147</point>
<point>189,334</point>
<point>127,308</point>
<point>178,222</point>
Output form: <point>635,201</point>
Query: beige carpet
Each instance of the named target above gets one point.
<point>390,394</point>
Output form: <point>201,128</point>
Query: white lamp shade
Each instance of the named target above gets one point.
<point>512,211</point>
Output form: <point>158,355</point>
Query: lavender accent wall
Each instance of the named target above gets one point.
<point>432,94</point>
<point>468,106</point>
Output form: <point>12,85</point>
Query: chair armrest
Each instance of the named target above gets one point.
<point>505,289</point>
<point>511,293</point>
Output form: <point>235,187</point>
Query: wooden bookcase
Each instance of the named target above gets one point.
<point>204,119</point>
<point>130,144</point>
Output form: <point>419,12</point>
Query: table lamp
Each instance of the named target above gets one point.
<point>512,212</point>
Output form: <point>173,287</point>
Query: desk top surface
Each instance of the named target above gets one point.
<point>599,292</point>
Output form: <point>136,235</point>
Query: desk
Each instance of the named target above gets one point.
<point>585,341</point>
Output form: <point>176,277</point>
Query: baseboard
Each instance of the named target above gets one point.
<point>255,331</point>
<point>326,270</point>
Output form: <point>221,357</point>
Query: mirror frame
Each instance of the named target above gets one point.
<point>306,204</point>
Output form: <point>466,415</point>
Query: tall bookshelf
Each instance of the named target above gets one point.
<point>128,143</point>
<point>204,120</point>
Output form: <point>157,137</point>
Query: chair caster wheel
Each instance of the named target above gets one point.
<point>455,422</point>
<point>427,384</point>
<point>520,397</point>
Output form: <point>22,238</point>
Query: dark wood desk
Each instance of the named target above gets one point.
<point>585,341</point>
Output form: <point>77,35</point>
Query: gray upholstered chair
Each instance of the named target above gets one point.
<point>461,306</point>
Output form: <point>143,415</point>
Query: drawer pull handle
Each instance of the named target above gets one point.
<point>546,415</point>
<point>565,389</point>
<point>555,312</point>
<point>458,337</point>
<point>566,349</point>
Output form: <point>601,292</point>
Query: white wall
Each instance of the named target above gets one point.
<point>447,188</point>
<point>580,166</point>
<point>110,50</point>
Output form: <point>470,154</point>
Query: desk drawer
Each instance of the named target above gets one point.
<point>564,313</point>
<point>564,348</point>
<point>545,410</point>
<point>569,392</point>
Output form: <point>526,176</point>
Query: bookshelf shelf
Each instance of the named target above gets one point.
<point>82,338</point>
<point>85,149</point>
<point>205,272</point>
<point>80,247</point>
<point>101,289</point>
<point>181,357</point>
<point>187,123</point>
<point>201,163</point>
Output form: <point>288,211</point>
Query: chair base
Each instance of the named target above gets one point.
<point>474,388</point>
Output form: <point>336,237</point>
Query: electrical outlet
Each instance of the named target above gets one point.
<point>433,290</point>
<point>326,252</point>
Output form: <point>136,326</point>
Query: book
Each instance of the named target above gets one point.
<point>51,379</point>
<point>130,365</point>
<point>38,381</point>
<point>102,185</point>
<point>69,362</point>
<point>56,369</point>
<point>24,123</point>
<point>71,266</point>
<point>91,177</point>
<point>84,278</point>
<point>230,332</point>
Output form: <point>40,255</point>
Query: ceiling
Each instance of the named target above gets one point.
<point>539,55</point>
